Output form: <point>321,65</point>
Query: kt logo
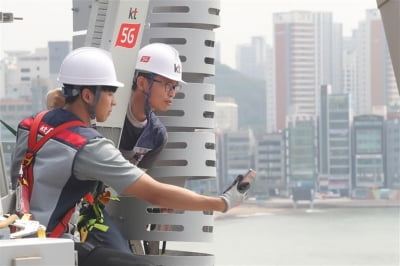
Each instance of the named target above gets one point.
<point>177,68</point>
<point>132,13</point>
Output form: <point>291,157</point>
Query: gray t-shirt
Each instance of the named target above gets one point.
<point>100,160</point>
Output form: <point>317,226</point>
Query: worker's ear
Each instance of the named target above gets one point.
<point>142,84</point>
<point>87,95</point>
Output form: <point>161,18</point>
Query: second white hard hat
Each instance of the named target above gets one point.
<point>89,66</point>
<point>161,59</point>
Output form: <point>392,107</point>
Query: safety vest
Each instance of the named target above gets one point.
<point>53,191</point>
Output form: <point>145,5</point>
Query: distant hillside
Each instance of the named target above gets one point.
<point>248,93</point>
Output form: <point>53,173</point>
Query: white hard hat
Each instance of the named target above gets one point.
<point>89,66</point>
<point>161,59</point>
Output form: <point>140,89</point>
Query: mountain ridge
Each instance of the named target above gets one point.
<point>249,94</point>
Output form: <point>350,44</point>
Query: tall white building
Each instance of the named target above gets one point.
<point>349,66</point>
<point>305,46</point>
<point>337,58</point>
<point>270,93</point>
<point>375,85</point>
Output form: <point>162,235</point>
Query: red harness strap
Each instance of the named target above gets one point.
<point>62,225</point>
<point>27,167</point>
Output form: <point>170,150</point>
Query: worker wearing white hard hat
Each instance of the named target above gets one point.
<point>88,67</point>
<point>69,170</point>
<point>157,79</point>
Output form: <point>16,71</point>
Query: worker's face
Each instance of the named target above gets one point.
<point>162,93</point>
<point>105,105</point>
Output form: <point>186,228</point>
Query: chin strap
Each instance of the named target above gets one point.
<point>92,108</point>
<point>147,107</point>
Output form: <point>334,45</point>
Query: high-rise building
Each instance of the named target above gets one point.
<point>368,152</point>
<point>270,93</point>
<point>25,71</point>
<point>304,59</point>
<point>392,133</point>
<point>270,164</point>
<point>349,71</point>
<point>237,154</point>
<point>337,58</point>
<point>301,151</point>
<point>334,142</point>
<point>26,83</point>
<point>376,83</point>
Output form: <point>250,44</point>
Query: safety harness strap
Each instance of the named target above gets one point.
<point>34,145</point>
<point>27,167</point>
<point>62,225</point>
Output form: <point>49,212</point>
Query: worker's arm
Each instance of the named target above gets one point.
<point>100,160</point>
<point>55,99</point>
<point>174,197</point>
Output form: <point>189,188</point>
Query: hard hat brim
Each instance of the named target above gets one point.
<point>118,84</point>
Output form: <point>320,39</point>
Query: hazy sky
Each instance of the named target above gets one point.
<point>51,20</point>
